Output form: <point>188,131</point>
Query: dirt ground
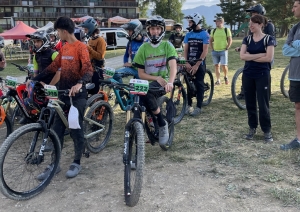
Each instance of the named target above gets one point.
<point>168,186</point>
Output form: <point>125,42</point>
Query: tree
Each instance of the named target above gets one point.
<point>143,7</point>
<point>169,9</point>
<point>204,24</point>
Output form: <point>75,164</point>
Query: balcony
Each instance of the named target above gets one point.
<point>54,15</point>
<point>6,14</point>
<point>74,3</point>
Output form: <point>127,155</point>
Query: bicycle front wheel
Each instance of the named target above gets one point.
<point>97,126</point>
<point>237,89</point>
<point>208,87</point>
<point>20,163</point>
<point>134,165</point>
<point>180,101</point>
<point>284,82</point>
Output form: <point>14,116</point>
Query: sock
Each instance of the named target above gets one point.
<point>160,120</point>
<point>77,162</point>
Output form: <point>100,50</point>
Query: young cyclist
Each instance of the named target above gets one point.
<point>75,69</point>
<point>156,62</point>
<point>97,49</point>
<point>136,39</point>
<point>195,48</point>
<point>177,37</point>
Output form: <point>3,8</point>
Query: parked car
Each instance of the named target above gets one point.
<point>115,38</point>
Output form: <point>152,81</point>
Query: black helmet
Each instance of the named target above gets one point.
<point>41,35</point>
<point>154,21</point>
<point>177,25</point>
<point>1,42</point>
<point>134,25</point>
<point>91,25</point>
<point>257,8</point>
<point>36,98</point>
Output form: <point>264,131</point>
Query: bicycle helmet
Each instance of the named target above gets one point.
<point>90,24</point>
<point>134,25</point>
<point>258,9</point>
<point>196,18</point>
<point>1,42</point>
<point>155,21</point>
<point>177,25</point>
<point>36,98</point>
<point>41,35</point>
<point>53,32</point>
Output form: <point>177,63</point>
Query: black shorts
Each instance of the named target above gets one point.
<point>294,92</point>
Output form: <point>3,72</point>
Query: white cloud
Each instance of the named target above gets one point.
<point>188,4</point>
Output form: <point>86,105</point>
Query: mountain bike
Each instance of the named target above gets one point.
<point>23,155</point>
<point>284,81</point>
<point>5,124</point>
<point>237,91</point>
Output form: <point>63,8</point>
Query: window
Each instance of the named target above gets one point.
<point>81,10</point>
<point>121,34</point>
<point>122,11</point>
<point>38,9</point>
<point>7,9</point>
<point>98,10</point>
<point>131,11</point>
<point>50,9</point>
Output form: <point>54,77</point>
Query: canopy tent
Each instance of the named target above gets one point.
<point>47,26</point>
<point>117,20</point>
<point>84,18</point>
<point>18,32</point>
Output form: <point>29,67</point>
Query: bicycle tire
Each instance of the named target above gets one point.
<point>282,81</point>
<point>94,98</point>
<point>208,88</point>
<point>99,112</point>
<point>239,103</point>
<point>16,115</point>
<point>5,129</point>
<point>137,143</point>
<point>180,101</point>
<point>27,163</point>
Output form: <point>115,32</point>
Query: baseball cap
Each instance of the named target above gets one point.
<point>219,19</point>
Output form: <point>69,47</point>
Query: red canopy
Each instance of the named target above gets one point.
<point>18,32</point>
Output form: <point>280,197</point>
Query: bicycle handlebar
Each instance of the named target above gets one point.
<point>183,61</point>
<point>21,68</point>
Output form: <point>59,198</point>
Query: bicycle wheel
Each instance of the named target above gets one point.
<point>94,98</point>
<point>101,113</point>
<point>5,129</point>
<point>180,101</point>
<point>134,158</point>
<point>284,82</point>
<point>208,87</point>
<point>20,163</point>
<point>236,89</point>
<point>16,115</point>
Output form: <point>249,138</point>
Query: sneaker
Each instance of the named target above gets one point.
<point>73,170</point>
<point>187,110</point>
<point>163,134</point>
<point>196,112</point>
<point>294,144</point>
<point>218,83</point>
<point>226,80</point>
<point>268,137</point>
<point>47,172</point>
<point>251,133</point>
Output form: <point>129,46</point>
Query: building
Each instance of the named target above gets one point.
<point>40,12</point>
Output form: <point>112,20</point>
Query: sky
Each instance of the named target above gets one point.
<point>196,3</point>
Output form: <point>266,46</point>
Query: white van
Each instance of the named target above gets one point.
<point>115,38</point>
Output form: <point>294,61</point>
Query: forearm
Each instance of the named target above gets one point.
<point>229,42</point>
<point>249,57</point>
<point>290,51</point>
<point>173,70</point>
<point>144,76</point>
<point>263,60</point>
<point>296,44</point>
<point>56,78</point>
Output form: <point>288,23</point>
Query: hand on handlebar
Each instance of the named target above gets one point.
<point>75,89</point>
<point>161,81</point>
<point>194,69</point>
<point>169,87</point>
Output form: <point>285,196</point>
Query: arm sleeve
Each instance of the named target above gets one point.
<point>139,58</point>
<point>229,33</point>
<point>205,37</point>
<point>101,49</point>
<point>35,65</point>
<point>54,55</point>
<point>186,38</point>
<point>52,68</point>
<point>126,55</point>
<point>296,44</point>
<point>86,66</point>
<point>290,51</point>
<point>171,52</point>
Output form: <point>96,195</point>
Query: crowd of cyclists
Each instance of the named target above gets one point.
<point>63,59</point>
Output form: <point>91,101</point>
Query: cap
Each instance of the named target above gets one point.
<point>219,19</point>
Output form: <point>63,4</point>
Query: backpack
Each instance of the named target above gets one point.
<point>225,29</point>
<point>266,40</point>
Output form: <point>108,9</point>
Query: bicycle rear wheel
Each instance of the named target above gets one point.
<point>94,98</point>
<point>180,101</point>
<point>284,82</point>
<point>102,114</point>
<point>134,158</point>
<point>208,87</point>
<point>20,163</point>
<point>236,89</point>
<point>5,129</point>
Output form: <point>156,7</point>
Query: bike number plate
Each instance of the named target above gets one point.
<point>140,87</point>
<point>182,60</point>
<point>109,72</point>
<point>51,92</point>
<point>11,82</point>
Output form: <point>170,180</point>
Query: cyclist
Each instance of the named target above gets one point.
<point>196,47</point>
<point>56,43</point>
<point>177,37</point>
<point>2,57</point>
<point>156,62</point>
<point>76,70</point>
<point>136,39</point>
<point>268,29</point>
<point>97,49</point>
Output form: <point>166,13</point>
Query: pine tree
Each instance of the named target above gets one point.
<point>169,9</point>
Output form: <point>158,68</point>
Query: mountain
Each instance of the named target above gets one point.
<point>208,12</point>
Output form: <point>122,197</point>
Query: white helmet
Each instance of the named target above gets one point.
<point>196,18</point>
